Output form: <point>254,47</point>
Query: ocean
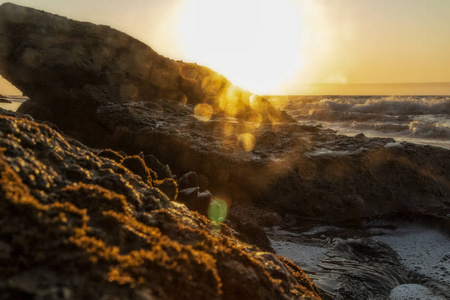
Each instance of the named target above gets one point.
<point>415,119</point>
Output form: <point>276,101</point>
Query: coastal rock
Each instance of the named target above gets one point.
<point>188,180</point>
<point>70,68</point>
<point>292,169</point>
<point>111,154</point>
<point>74,225</point>
<point>111,91</point>
<point>161,171</point>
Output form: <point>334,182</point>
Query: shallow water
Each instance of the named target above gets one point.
<point>373,260</point>
<point>415,119</point>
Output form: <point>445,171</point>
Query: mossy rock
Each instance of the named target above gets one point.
<point>108,234</point>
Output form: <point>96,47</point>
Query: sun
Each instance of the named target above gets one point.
<point>256,44</point>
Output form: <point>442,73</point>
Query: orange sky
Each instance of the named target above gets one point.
<point>278,46</point>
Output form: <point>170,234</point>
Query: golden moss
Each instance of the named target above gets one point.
<point>111,154</point>
<point>114,235</point>
<point>168,186</point>
<point>137,165</point>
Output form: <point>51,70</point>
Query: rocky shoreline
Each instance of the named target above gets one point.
<point>250,151</point>
<point>76,225</point>
<point>228,147</point>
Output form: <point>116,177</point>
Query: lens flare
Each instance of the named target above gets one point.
<point>246,141</point>
<point>188,71</point>
<point>211,85</point>
<point>255,102</point>
<point>253,119</point>
<point>203,112</point>
<point>228,129</point>
<point>217,210</point>
<point>231,101</point>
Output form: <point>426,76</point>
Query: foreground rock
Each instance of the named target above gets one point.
<point>77,226</point>
<point>109,90</point>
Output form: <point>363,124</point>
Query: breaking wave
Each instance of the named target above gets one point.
<point>418,119</point>
<point>430,130</point>
<point>411,105</point>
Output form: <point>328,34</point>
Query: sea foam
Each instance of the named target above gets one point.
<point>416,119</point>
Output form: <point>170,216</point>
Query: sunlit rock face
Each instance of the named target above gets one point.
<point>74,225</point>
<point>109,90</point>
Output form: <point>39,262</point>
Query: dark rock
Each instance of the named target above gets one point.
<point>259,216</point>
<point>195,200</point>
<point>161,171</point>
<point>168,186</point>
<point>136,165</point>
<point>107,234</point>
<point>202,203</point>
<point>188,195</point>
<point>252,233</point>
<point>249,221</point>
<point>188,180</point>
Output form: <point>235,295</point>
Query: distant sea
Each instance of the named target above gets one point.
<point>415,119</point>
<point>15,100</point>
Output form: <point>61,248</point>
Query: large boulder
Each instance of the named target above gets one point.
<point>70,68</point>
<point>109,90</point>
<point>74,225</point>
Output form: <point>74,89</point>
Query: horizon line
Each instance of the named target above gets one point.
<point>376,83</point>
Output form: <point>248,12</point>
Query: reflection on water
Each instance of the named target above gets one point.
<point>370,260</point>
<point>360,269</point>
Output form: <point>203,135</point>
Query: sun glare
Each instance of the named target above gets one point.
<point>254,43</point>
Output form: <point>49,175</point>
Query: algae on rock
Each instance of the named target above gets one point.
<point>74,225</point>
